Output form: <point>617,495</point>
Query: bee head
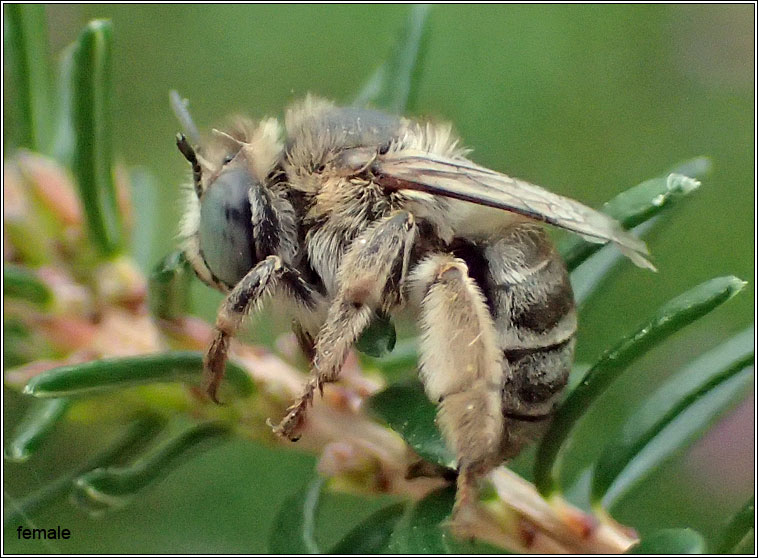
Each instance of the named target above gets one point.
<point>218,230</point>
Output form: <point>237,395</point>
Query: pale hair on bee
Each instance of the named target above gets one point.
<point>347,213</point>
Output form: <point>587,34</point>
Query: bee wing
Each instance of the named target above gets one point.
<point>463,180</point>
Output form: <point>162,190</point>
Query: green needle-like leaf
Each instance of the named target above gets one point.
<point>294,529</point>
<point>590,274</point>
<point>419,531</point>
<point>681,432</point>
<point>169,286</point>
<point>671,541</point>
<point>64,144</point>
<point>372,536</point>
<point>393,86</point>
<point>422,529</point>
<point>630,208</point>
<point>114,373</point>
<point>406,409</point>
<point>22,283</point>
<point>91,118</point>
<point>17,348</point>
<point>34,428</point>
<point>671,317</point>
<point>113,487</point>
<point>26,44</point>
<point>138,433</point>
<point>379,338</point>
<point>737,529</point>
<point>643,429</point>
<point>147,216</point>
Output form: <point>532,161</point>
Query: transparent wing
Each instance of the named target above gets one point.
<point>461,179</point>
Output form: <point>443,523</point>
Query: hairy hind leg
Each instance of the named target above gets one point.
<point>461,368</point>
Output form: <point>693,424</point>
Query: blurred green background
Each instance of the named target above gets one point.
<point>586,100</point>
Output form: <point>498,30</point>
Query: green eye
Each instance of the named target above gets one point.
<point>226,230</point>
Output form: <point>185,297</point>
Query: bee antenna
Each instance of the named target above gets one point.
<point>228,137</point>
<point>189,153</point>
<point>181,111</point>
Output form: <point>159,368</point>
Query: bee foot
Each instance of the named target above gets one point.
<point>292,424</point>
<point>212,393</point>
<point>214,365</point>
<point>465,509</point>
<point>462,528</point>
<point>464,517</point>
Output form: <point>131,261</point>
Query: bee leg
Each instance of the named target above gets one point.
<point>343,327</point>
<point>249,292</point>
<point>370,277</point>
<point>461,368</point>
<point>258,282</point>
<point>464,508</point>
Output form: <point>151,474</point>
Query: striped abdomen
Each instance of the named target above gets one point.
<point>529,295</point>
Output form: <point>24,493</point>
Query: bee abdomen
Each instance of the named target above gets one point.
<point>536,379</point>
<point>534,382</point>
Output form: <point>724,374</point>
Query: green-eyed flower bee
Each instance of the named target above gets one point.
<point>346,213</point>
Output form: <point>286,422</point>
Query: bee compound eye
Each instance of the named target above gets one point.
<point>226,230</point>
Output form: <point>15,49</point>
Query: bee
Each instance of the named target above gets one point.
<point>344,214</point>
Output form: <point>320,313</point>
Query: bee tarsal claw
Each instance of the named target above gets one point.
<point>213,394</point>
<point>291,425</point>
<point>212,383</point>
<point>214,365</point>
<point>463,520</point>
